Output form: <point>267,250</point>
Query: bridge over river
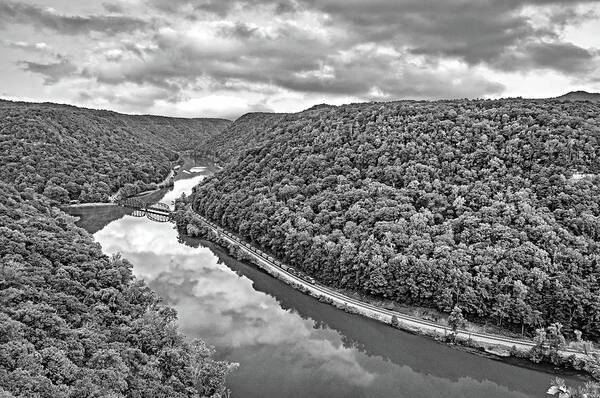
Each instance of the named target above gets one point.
<point>159,212</point>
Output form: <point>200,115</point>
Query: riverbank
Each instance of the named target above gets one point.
<point>187,165</point>
<point>269,327</point>
<point>486,344</point>
<point>95,204</point>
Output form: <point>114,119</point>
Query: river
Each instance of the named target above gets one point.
<point>289,344</point>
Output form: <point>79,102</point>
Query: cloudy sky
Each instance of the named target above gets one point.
<point>223,58</point>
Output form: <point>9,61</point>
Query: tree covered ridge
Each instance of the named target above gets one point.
<point>489,205</point>
<point>247,131</point>
<point>71,153</point>
<point>580,96</point>
<point>75,323</point>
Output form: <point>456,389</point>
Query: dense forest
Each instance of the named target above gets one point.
<point>245,132</point>
<point>493,206</point>
<point>75,323</point>
<point>70,153</point>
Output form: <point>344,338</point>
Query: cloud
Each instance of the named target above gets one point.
<point>130,97</point>
<point>22,13</point>
<point>214,302</point>
<point>181,55</point>
<point>52,72</point>
<point>564,16</point>
<point>564,57</point>
<point>113,55</point>
<point>288,55</point>
<point>306,50</point>
<point>222,8</point>
<point>113,8</point>
<point>39,47</point>
<point>239,30</point>
<point>475,32</point>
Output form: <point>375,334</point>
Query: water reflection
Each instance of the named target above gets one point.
<point>289,344</point>
<point>96,218</point>
<point>182,186</point>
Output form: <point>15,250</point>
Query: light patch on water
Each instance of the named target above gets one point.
<point>181,186</point>
<point>275,341</point>
<point>214,302</point>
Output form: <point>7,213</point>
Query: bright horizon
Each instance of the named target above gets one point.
<point>237,117</point>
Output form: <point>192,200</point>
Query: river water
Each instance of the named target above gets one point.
<point>289,344</point>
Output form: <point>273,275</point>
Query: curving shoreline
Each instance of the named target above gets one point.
<point>94,204</point>
<point>496,345</point>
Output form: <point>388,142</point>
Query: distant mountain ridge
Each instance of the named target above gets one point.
<point>101,111</point>
<point>253,129</point>
<point>245,132</point>
<point>580,96</point>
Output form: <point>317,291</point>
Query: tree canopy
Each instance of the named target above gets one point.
<point>73,322</point>
<point>76,323</point>
<point>70,153</point>
<point>492,206</point>
<point>247,131</point>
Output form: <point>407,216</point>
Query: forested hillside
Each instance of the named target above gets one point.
<point>245,132</point>
<point>71,153</point>
<point>489,205</point>
<point>75,323</point>
<point>580,96</point>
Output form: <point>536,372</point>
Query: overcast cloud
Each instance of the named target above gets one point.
<point>225,57</point>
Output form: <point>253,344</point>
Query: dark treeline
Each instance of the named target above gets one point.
<point>75,323</point>
<point>580,96</point>
<point>489,205</point>
<point>70,153</point>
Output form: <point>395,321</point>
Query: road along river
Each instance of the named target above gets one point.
<point>406,322</point>
<point>289,344</point>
